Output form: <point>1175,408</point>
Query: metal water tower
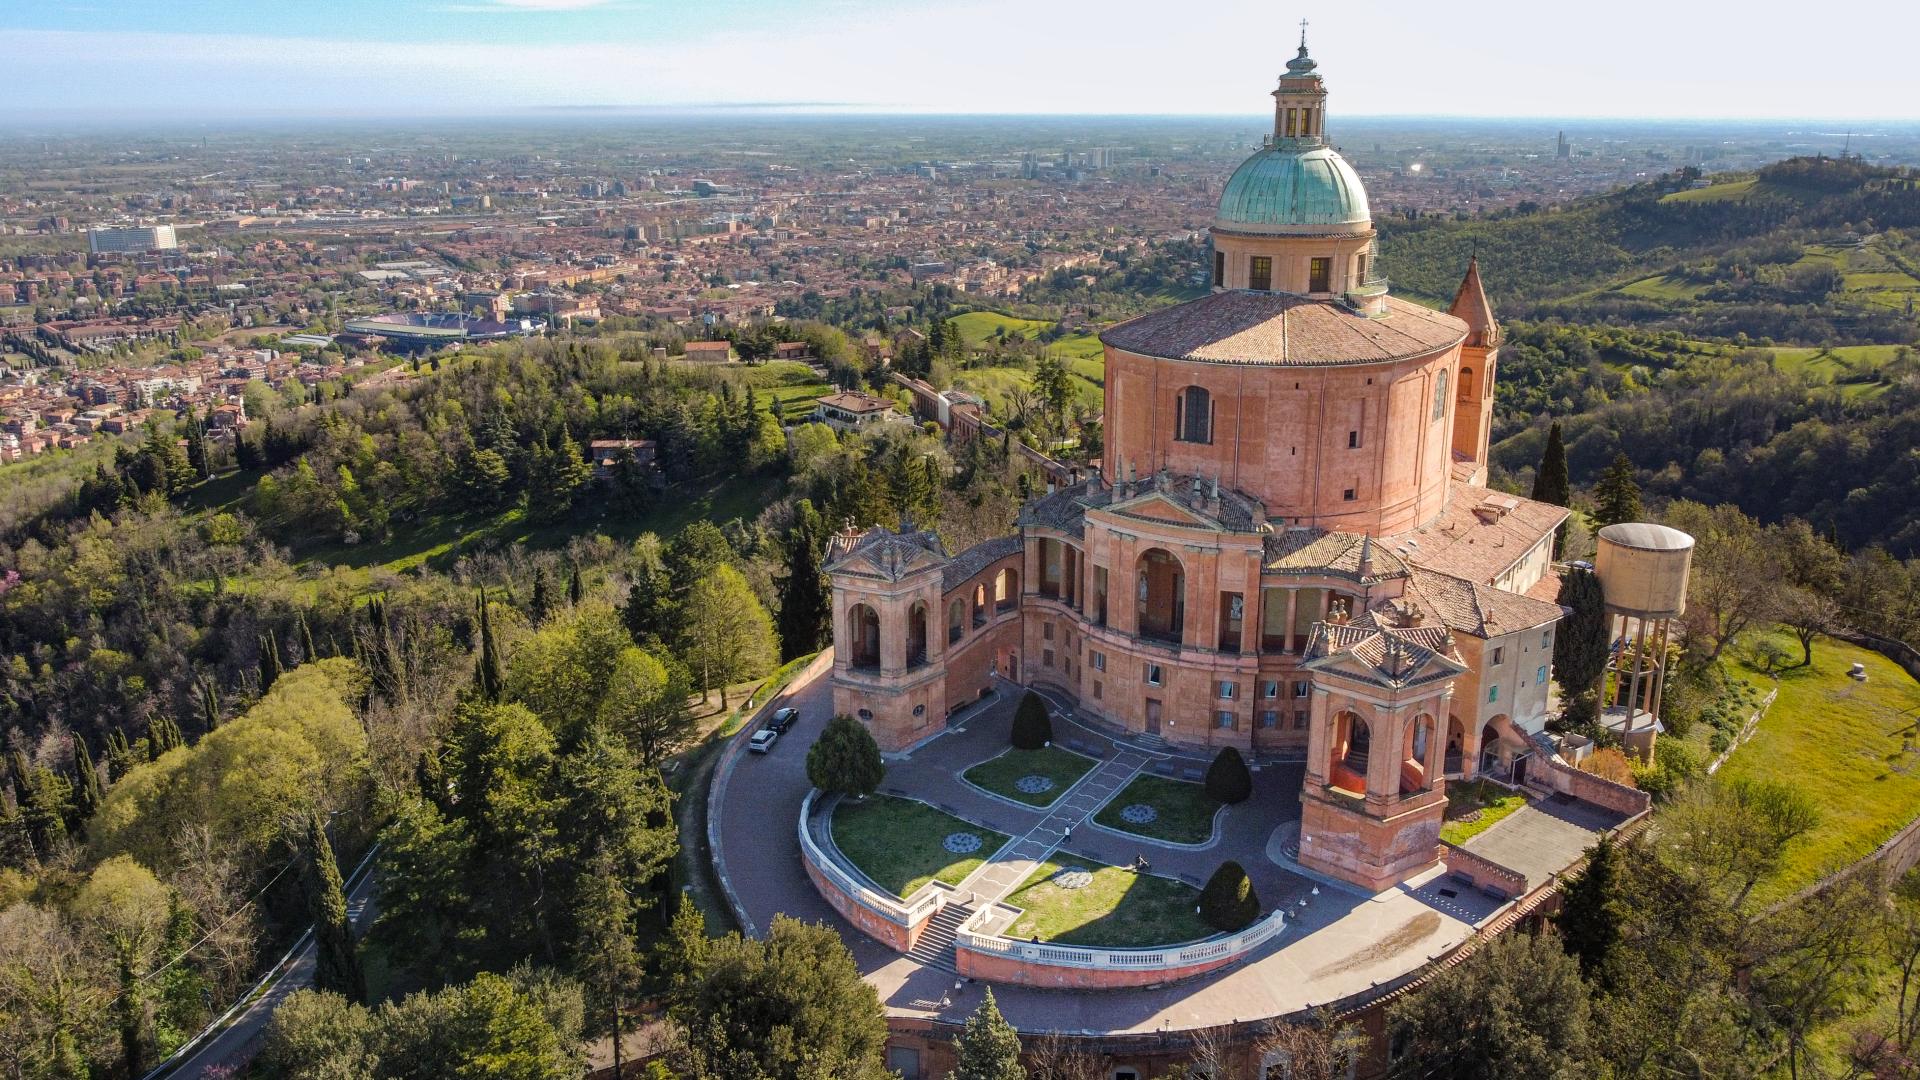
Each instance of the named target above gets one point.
<point>1643,572</point>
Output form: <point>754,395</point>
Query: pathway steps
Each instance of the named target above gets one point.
<point>935,947</point>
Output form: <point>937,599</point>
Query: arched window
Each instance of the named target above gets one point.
<point>1466,382</point>
<point>1193,416</point>
<point>1440,395</point>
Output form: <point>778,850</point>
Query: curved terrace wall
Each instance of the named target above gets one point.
<point>880,916</point>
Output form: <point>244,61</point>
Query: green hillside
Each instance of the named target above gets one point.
<point>1807,251</point>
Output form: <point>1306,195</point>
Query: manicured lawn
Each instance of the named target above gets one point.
<point>1841,743</point>
<point>1474,807</point>
<point>1118,909</point>
<point>1001,774</point>
<point>1184,812</point>
<point>901,844</point>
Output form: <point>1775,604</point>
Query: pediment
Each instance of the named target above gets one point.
<point>1160,508</point>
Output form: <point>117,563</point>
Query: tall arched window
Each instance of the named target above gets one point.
<point>1193,416</point>
<point>1440,395</point>
<point>1466,382</point>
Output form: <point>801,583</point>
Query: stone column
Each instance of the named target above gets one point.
<point>1436,763</point>
<point>1286,638</point>
<point>1383,756</point>
<point>1319,737</point>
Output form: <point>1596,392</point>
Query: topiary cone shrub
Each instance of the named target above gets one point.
<point>1228,903</point>
<point>845,759</point>
<point>1032,729</point>
<point>1228,778</point>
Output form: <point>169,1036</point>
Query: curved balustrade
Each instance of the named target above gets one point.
<point>911,917</point>
<point>1180,959</point>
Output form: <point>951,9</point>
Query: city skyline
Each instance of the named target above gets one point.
<point>214,59</point>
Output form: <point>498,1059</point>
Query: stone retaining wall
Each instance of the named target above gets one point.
<point>1483,873</point>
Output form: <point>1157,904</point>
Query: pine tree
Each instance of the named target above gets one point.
<point>488,678</point>
<point>1593,910</point>
<point>988,1047</point>
<point>336,964</point>
<point>1616,497</point>
<point>1550,482</point>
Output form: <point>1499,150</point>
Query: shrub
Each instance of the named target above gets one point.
<point>845,759</point>
<point>1228,778</point>
<point>1228,903</point>
<point>1609,764</point>
<point>1032,729</point>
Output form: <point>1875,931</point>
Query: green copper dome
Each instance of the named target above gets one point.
<point>1293,186</point>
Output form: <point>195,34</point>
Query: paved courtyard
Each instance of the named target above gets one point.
<point>1342,942</point>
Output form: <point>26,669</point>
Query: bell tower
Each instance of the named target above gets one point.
<point>1473,401</point>
<point>1300,104</point>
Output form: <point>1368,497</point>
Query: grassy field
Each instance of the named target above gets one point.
<point>979,327</point>
<point>1848,745</point>
<point>1662,287</point>
<point>1185,813</point>
<point>1474,807</point>
<point>1118,909</point>
<point>999,774</point>
<point>900,844</point>
<point>1732,190</point>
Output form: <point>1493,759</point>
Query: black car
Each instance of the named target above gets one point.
<point>783,719</point>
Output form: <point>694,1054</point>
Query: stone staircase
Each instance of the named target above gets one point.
<point>935,947</point>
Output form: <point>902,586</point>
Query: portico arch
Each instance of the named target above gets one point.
<point>1456,745</point>
<point>1352,747</point>
<point>1160,588</point>
<point>1493,756</point>
<point>1006,589</point>
<point>917,634</point>
<point>956,620</point>
<point>1415,751</point>
<point>863,626</point>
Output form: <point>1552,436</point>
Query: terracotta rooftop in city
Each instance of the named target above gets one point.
<point>1244,327</point>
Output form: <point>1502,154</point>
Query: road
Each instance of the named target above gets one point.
<point>225,1050</point>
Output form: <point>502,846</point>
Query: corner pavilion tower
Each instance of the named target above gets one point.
<point>1289,548</point>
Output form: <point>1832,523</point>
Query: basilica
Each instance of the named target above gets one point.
<point>1288,547</point>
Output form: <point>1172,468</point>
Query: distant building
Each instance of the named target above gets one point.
<point>131,240</point>
<point>709,352</point>
<point>608,453</point>
<point>1563,151</point>
<point>851,410</point>
<point>791,350</point>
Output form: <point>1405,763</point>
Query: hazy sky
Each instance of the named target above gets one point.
<point>208,59</point>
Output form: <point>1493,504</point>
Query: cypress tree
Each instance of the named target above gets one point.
<point>1617,496</point>
<point>1580,644</point>
<point>88,795</point>
<point>1551,483</point>
<point>1593,910</point>
<point>308,652</point>
<point>806,599</point>
<point>336,964</point>
<point>488,679</point>
<point>270,669</point>
<point>542,603</point>
<point>209,699</point>
<point>576,588</point>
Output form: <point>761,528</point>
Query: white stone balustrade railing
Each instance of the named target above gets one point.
<point>926,902</point>
<point>1209,950</point>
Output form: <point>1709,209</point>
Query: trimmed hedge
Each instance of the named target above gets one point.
<point>1032,729</point>
<point>1228,778</point>
<point>1228,903</point>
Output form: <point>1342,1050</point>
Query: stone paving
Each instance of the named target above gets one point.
<point>1339,943</point>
